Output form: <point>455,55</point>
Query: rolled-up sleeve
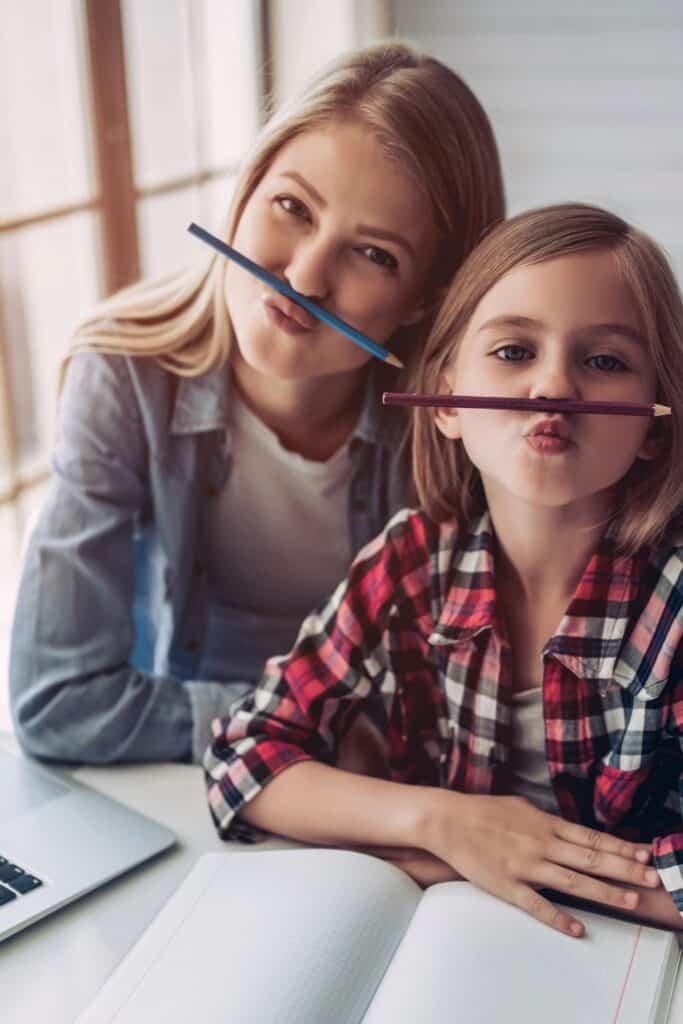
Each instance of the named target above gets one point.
<point>668,859</point>
<point>668,848</point>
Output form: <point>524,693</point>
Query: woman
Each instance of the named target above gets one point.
<point>222,456</point>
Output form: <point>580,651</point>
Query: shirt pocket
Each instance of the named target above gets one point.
<point>621,795</point>
<point>624,775</point>
<point>642,683</point>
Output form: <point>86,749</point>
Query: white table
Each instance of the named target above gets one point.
<point>51,971</point>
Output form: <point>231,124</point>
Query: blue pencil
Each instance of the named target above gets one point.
<point>284,289</point>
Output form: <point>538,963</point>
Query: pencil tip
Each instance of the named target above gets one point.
<point>393,360</point>
<point>662,410</point>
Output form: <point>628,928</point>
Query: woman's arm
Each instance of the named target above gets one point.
<point>74,694</point>
<point>656,907</point>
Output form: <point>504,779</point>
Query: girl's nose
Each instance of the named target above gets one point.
<point>309,270</point>
<point>553,380</point>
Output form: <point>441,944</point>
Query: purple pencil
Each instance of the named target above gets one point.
<point>526,404</point>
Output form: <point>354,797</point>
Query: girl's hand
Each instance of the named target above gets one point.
<point>508,847</point>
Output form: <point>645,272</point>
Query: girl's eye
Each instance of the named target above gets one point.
<point>606,363</point>
<point>293,206</point>
<point>513,353</point>
<point>380,256</point>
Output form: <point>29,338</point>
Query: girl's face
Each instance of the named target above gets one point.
<point>347,227</point>
<point>566,328</point>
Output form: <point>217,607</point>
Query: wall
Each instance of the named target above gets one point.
<point>585,98</point>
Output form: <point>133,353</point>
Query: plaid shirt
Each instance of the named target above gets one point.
<point>414,638</point>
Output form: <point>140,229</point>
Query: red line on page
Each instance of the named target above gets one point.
<point>627,976</point>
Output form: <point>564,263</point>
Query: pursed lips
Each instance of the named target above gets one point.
<point>550,428</point>
<point>290,309</point>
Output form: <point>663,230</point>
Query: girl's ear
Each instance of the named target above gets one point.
<point>447,420</point>
<point>650,449</point>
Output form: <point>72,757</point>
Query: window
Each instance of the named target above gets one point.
<point>127,121</point>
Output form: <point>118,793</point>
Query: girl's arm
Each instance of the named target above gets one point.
<point>502,844</point>
<point>271,764</point>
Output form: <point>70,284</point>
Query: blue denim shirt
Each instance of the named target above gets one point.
<point>111,615</point>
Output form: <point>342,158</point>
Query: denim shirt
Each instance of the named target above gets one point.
<point>111,613</point>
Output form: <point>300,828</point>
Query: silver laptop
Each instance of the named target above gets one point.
<point>60,839</point>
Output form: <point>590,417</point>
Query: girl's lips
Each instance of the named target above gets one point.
<point>548,444</point>
<point>556,426</point>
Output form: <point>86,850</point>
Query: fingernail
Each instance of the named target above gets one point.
<point>630,899</point>
<point>651,876</point>
<point>575,928</point>
<point>643,856</point>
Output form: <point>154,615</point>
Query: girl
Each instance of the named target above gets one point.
<point>517,643</point>
<point>212,434</point>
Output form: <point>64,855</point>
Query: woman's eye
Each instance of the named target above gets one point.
<point>606,363</point>
<point>294,206</point>
<point>381,257</point>
<point>513,353</point>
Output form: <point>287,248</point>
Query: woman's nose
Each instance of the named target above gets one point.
<point>309,270</point>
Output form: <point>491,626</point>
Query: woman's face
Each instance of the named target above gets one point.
<point>567,328</point>
<point>342,223</point>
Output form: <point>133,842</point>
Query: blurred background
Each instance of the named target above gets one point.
<point>123,120</point>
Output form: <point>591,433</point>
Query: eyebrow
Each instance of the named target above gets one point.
<point>305,185</point>
<point>363,229</point>
<point>603,330</point>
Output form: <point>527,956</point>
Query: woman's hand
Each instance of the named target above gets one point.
<point>423,867</point>
<point>510,848</point>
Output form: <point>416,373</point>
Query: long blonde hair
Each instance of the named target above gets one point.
<point>420,111</point>
<point>446,481</point>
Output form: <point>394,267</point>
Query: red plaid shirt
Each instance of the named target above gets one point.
<point>414,639</point>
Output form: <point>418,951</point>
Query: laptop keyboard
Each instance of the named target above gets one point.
<point>14,881</point>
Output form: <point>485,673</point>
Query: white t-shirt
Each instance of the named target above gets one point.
<point>277,544</point>
<point>529,775</point>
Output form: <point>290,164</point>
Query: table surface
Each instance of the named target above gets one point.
<point>52,970</point>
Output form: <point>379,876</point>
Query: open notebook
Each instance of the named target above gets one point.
<point>325,936</point>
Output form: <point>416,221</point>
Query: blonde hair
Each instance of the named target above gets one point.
<point>424,115</point>
<point>651,493</point>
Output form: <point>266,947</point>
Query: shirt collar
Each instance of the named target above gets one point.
<point>591,634</point>
<point>201,404</point>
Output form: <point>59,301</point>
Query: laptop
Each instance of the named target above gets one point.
<point>60,840</point>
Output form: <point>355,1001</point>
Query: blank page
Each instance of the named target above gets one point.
<point>275,936</point>
<point>468,957</point>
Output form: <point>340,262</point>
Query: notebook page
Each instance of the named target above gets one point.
<point>468,957</point>
<point>274,936</point>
